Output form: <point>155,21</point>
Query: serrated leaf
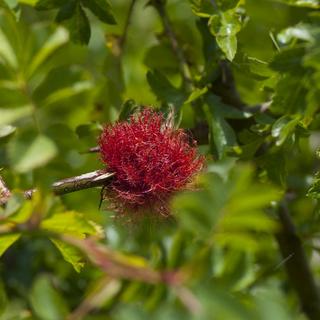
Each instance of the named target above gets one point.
<point>225,27</point>
<point>58,39</point>
<point>70,254</point>
<point>46,302</point>
<point>101,9</point>
<point>26,156</point>
<point>71,223</point>
<point>6,241</point>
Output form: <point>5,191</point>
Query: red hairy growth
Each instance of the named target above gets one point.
<point>151,161</point>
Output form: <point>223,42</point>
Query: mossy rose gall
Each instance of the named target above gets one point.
<point>151,161</point>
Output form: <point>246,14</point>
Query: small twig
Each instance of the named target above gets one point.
<point>183,65</point>
<point>85,181</point>
<point>297,265</point>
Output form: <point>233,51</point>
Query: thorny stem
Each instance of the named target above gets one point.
<point>183,65</point>
<point>85,181</point>
<point>297,266</point>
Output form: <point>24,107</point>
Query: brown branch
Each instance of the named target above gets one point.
<point>297,266</point>
<point>85,181</point>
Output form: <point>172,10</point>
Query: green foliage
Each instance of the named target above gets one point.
<point>242,77</point>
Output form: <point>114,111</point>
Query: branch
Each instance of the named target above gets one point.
<point>183,65</point>
<point>85,181</point>
<point>297,266</point>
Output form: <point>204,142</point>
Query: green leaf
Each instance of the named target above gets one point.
<point>6,241</point>
<point>71,223</point>
<point>6,51</point>
<point>314,190</point>
<point>284,127</point>
<point>221,135</point>
<point>196,93</point>
<point>49,4</point>
<point>289,60</point>
<point>127,109</point>
<point>100,8</point>
<point>76,21</point>
<point>9,116</point>
<point>56,41</point>
<point>70,254</point>
<point>66,93</point>
<point>224,27</point>
<point>45,300</point>
<point>301,31</point>
<point>6,131</point>
<point>227,111</point>
<point>27,155</point>
<point>164,90</point>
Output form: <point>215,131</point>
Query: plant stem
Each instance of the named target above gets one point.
<point>297,266</point>
<point>85,181</point>
<point>183,65</point>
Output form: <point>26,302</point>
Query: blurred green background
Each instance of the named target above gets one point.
<point>67,68</point>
